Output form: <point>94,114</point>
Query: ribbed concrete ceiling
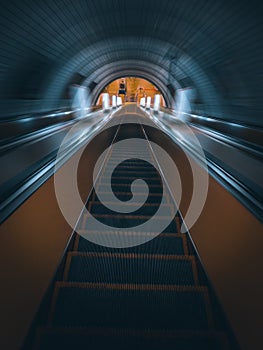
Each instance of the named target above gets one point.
<point>212,46</point>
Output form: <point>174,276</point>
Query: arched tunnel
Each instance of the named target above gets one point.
<point>81,266</point>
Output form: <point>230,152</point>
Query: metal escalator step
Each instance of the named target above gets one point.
<point>146,204</point>
<point>144,209</point>
<point>115,180</point>
<point>153,197</point>
<point>131,268</point>
<point>139,306</point>
<point>165,243</point>
<point>172,227</point>
<point>130,152</point>
<point>49,338</point>
<point>133,172</point>
<point>128,164</point>
<point>135,152</point>
<point>132,158</point>
<point>122,186</point>
<point>130,216</point>
<point>125,221</point>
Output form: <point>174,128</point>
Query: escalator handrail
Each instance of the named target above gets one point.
<point>250,199</point>
<point>58,122</point>
<point>246,135</point>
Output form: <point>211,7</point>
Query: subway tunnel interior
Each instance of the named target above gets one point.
<point>214,49</point>
<point>205,59</point>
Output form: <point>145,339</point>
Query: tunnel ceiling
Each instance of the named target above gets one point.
<point>214,47</point>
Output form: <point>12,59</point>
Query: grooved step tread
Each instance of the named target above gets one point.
<point>153,197</point>
<point>130,216</point>
<point>128,184</point>
<point>129,193</point>
<point>144,209</point>
<point>117,163</point>
<point>131,305</point>
<point>131,172</point>
<point>125,179</point>
<point>133,156</point>
<point>165,243</point>
<point>131,268</point>
<point>119,339</point>
<point>102,187</point>
<point>134,159</point>
<point>96,202</point>
<point>123,221</point>
<point>131,164</point>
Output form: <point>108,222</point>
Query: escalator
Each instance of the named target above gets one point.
<point>153,295</point>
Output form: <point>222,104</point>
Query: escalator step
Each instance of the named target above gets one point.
<point>133,172</point>
<point>130,306</point>
<point>131,268</point>
<point>119,339</point>
<point>124,196</point>
<point>144,209</point>
<point>126,187</point>
<point>128,152</point>
<point>128,179</point>
<point>163,244</point>
<point>130,165</point>
<point>131,160</point>
<point>126,221</point>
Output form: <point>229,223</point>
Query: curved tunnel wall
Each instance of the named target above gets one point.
<point>214,47</point>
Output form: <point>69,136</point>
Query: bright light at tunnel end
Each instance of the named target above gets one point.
<point>71,204</point>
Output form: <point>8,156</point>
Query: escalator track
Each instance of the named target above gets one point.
<point>149,296</point>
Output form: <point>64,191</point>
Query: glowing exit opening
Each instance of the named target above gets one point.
<point>131,90</point>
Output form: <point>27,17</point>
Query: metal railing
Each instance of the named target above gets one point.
<point>28,159</point>
<point>243,140</point>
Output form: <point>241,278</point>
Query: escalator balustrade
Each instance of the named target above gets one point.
<point>150,296</point>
